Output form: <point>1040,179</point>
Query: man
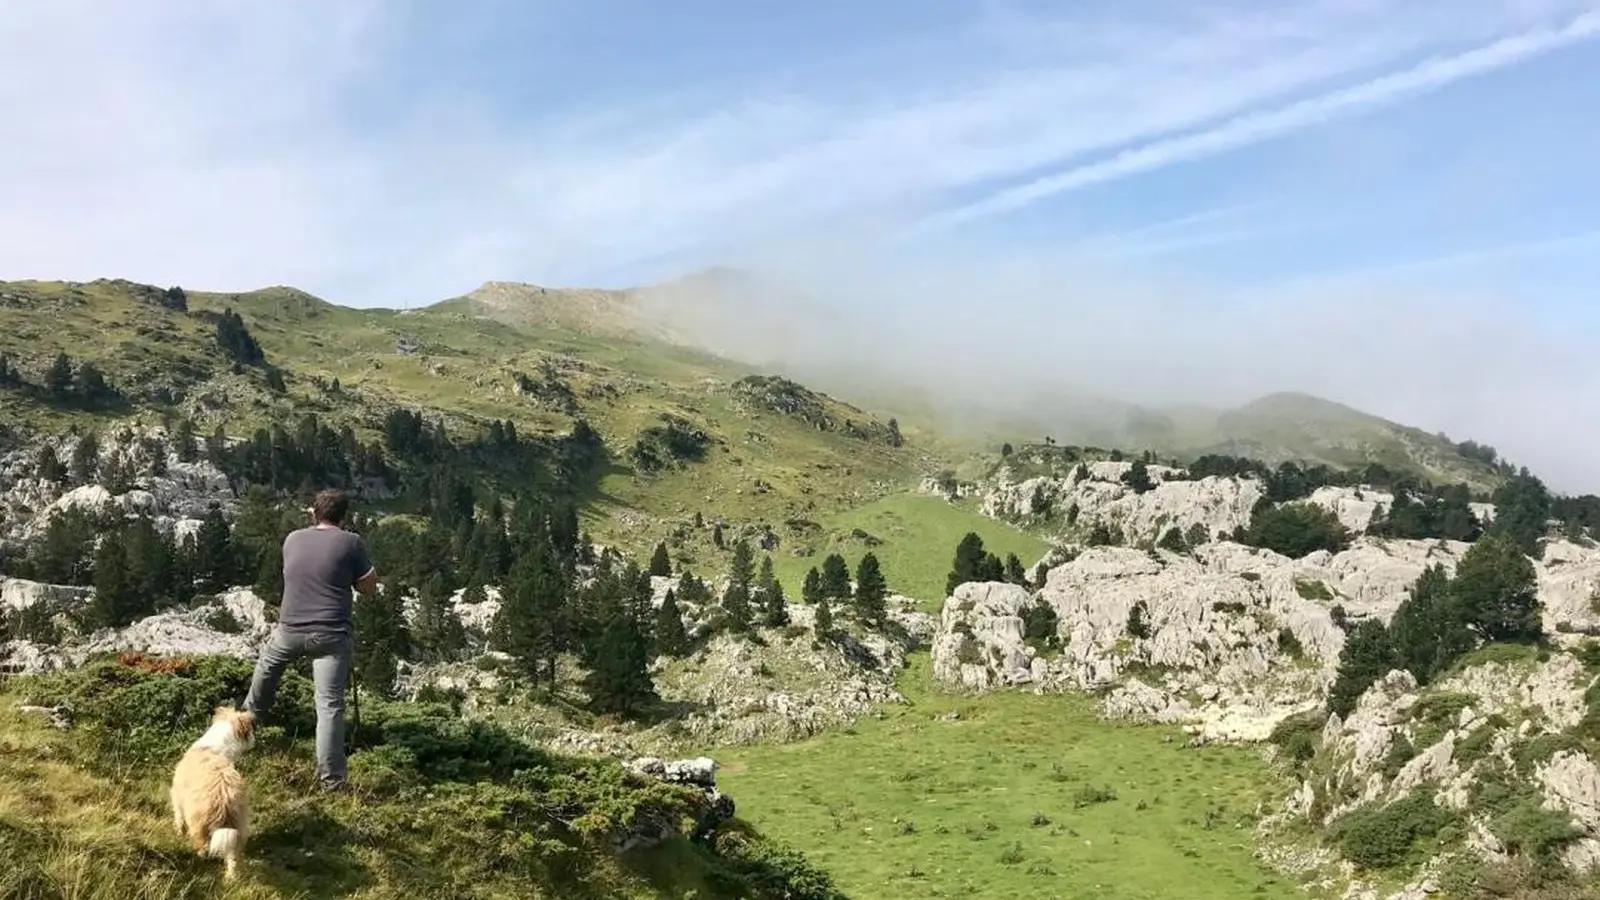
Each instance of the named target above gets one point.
<point>321,563</point>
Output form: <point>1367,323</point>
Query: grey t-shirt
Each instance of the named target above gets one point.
<point>320,567</point>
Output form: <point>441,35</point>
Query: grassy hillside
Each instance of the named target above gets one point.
<point>1012,797</point>
<point>757,462</point>
<point>441,808</point>
<point>914,537</point>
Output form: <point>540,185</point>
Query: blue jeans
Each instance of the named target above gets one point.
<point>330,655</point>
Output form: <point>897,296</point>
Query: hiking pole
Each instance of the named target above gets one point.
<point>355,704</point>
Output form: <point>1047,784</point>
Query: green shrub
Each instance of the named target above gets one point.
<point>139,710</point>
<point>1401,751</point>
<point>1388,836</point>
<point>1312,590</point>
<point>1089,795</point>
<point>1297,736</point>
<point>1528,829</point>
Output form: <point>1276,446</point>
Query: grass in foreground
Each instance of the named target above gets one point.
<point>1017,796</point>
<point>443,807</point>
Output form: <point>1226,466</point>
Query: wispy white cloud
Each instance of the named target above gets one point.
<point>234,144</point>
<point>1255,127</point>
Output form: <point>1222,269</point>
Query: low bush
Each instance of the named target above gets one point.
<point>1384,837</point>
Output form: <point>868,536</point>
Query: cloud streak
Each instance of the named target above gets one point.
<point>1256,127</point>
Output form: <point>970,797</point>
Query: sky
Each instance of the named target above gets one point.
<point>1393,203</point>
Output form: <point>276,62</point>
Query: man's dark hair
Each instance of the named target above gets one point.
<point>330,506</point>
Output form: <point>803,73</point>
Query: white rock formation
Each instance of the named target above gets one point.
<point>1216,505</point>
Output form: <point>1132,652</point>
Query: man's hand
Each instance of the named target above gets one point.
<point>368,583</point>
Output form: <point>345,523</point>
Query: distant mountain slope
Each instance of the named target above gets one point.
<point>687,432</point>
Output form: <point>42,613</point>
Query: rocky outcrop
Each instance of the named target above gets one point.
<point>1207,506</point>
<point>1230,639</point>
<point>699,773</point>
<point>1496,746</point>
<point>233,623</point>
<point>1355,507</point>
<point>175,494</point>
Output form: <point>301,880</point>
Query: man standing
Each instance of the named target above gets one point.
<point>321,563</point>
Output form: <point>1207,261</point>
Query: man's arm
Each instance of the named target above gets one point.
<point>366,583</point>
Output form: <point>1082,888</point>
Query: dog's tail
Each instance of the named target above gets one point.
<point>224,843</point>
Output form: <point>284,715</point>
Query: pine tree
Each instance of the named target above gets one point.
<point>1015,573</point>
<point>381,639</point>
<point>671,639</point>
<point>835,584</point>
<point>1522,507</point>
<point>437,628</point>
<point>811,589</point>
<point>116,595</point>
<point>1426,632</point>
<point>660,564</point>
<point>1138,477</point>
<point>716,535</point>
<point>215,560</point>
<point>49,466</point>
<point>968,564</point>
<point>1496,590</point>
<point>533,621</point>
<point>736,598</point>
<point>871,591</point>
<point>619,681</point>
<point>153,565</point>
<point>691,589</point>
<point>822,627</point>
<point>1367,657</point>
<point>58,378</point>
<point>775,609</point>
<point>86,458</point>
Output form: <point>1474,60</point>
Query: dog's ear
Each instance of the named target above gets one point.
<point>220,714</point>
<point>244,723</point>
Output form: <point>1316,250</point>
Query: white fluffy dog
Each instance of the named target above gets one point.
<point>209,805</point>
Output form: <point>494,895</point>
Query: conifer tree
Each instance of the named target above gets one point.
<point>381,638</point>
<point>1367,656</point>
<point>671,639</point>
<point>116,595</point>
<point>811,589</point>
<point>215,562</point>
<point>660,564</point>
<point>968,565</point>
<point>1496,590</point>
<point>620,681</point>
<point>49,466</point>
<point>716,535</point>
<point>184,440</point>
<point>1015,573</point>
<point>736,597</point>
<point>437,628</point>
<point>691,589</point>
<point>58,378</point>
<point>822,627</point>
<point>1138,477</point>
<point>835,584</point>
<point>86,458</point>
<point>775,610</point>
<point>534,618</point>
<point>871,591</point>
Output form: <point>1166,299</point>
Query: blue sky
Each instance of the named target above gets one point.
<point>1277,157</point>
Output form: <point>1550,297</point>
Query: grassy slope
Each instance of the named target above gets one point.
<point>69,829</point>
<point>919,535</point>
<point>464,366</point>
<point>969,790</point>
